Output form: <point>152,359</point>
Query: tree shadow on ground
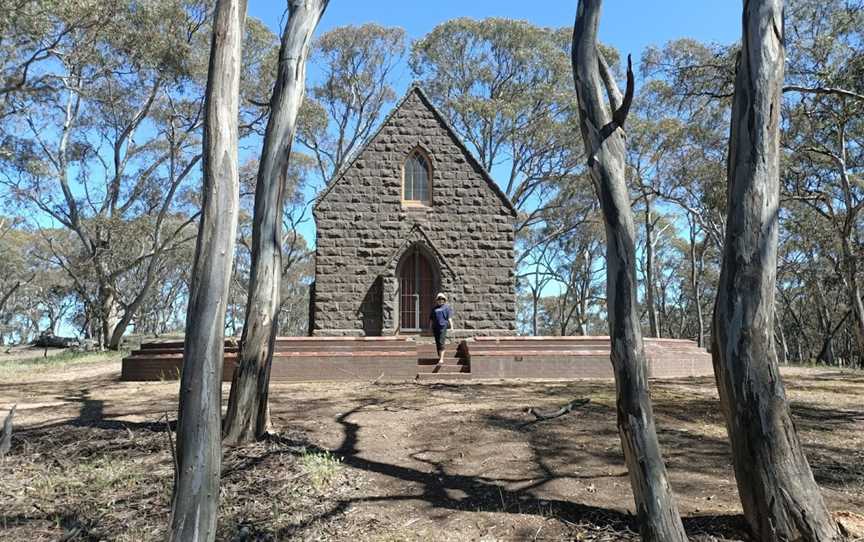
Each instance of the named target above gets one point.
<point>457,492</point>
<point>92,433</point>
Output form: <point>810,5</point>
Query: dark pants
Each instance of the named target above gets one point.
<point>440,339</point>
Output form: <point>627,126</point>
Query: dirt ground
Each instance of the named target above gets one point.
<point>91,459</point>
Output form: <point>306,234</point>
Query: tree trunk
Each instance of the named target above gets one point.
<point>535,301</point>
<point>780,498</point>
<point>695,275</point>
<point>649,271</point>
<point>9,293</point>
<point>581,327</point>
<point>194,505</point>
<point>784,346</point>
<point>826,353</point>
<point>248,410</point>
<point>603,138</point>
<point>106,309</point>
<point>850,263</point>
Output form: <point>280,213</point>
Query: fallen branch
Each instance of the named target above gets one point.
<point>540,416</point>
<point>6,437</point>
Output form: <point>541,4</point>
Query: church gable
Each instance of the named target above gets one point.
<point>413,214</point>
<point>415,132</point>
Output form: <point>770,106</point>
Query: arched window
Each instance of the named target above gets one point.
<point>416,175</point>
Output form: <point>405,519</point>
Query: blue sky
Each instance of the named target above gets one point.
<point>628,25</point>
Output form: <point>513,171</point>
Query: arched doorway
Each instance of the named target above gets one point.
<point>417,283</point>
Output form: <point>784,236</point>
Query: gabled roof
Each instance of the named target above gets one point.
<point>415,89</point>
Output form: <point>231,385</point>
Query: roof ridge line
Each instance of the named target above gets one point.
<point>416,88</point>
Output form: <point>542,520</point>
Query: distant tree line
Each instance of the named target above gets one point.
<point>100,123</point>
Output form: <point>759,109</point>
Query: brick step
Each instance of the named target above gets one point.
<point>596,339</point>
<point>447,361</point>
<point>291,342</point>
<point>448,354</point>
<point>690,359</point>
<point>315,349</point>
<point>319,351</point>
<point>446,368</point>
<point>537,346</point>
<point>146,356</point>
<point>554,352</point>
<point>427,377</point>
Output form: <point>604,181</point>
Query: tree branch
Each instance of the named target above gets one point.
<point>824,90</point>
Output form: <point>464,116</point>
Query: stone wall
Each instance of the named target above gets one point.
<point>363,230</point>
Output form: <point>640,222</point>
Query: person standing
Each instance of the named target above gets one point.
<point>441,319</point>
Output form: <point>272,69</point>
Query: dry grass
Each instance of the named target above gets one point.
<point>388,462</point>
<point>27,362</point>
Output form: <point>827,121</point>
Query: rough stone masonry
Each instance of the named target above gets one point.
<point>366,231</point>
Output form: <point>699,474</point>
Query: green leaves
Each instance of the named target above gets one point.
<point>347,102</point>
<point>506,87</point>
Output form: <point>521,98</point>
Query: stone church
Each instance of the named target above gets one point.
<point>413,214</point>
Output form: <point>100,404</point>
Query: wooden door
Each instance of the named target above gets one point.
<point>416,285</point>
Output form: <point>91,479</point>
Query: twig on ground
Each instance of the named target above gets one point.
<point>377,379</point>
<point>541,416</point>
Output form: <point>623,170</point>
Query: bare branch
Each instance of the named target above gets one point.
<point>824,90</point>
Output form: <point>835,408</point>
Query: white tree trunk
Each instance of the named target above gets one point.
<point>248,412</point>
<point>650,301</point>
<point>194,506</point>
<point>781,500</point>
<point>603,137</point>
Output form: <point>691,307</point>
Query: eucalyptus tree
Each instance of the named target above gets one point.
<point>602,113</point>
<point>12,266</point>
<point>653,137</point>
<point>18,270</point>
<point>690,126</point>
<point>532,281</point>
<point>813,299</point>
<point>824,131</point>
<point>30,35</point>
<point>504,87</point>
<point>780,498</point>
<point>503,84</point>
<point>698,248</point>
<point>248,414</point>
<point>296,211</point>
<point>194,503</point>
<point>677,154</point>
<point>360,66</point>
<point>107,147</point>
<point>576,269</point>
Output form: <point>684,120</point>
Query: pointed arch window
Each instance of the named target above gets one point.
<point>417,179</point>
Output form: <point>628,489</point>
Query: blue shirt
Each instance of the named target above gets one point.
<point>440,316</point>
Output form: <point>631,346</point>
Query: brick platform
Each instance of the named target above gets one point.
<point>578,357</point>
<point>402,358</point>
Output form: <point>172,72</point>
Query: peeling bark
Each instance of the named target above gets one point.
<point>248,414</point>
<point>603,138</point>
<point>780,498</point>
<point>194,505</point>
